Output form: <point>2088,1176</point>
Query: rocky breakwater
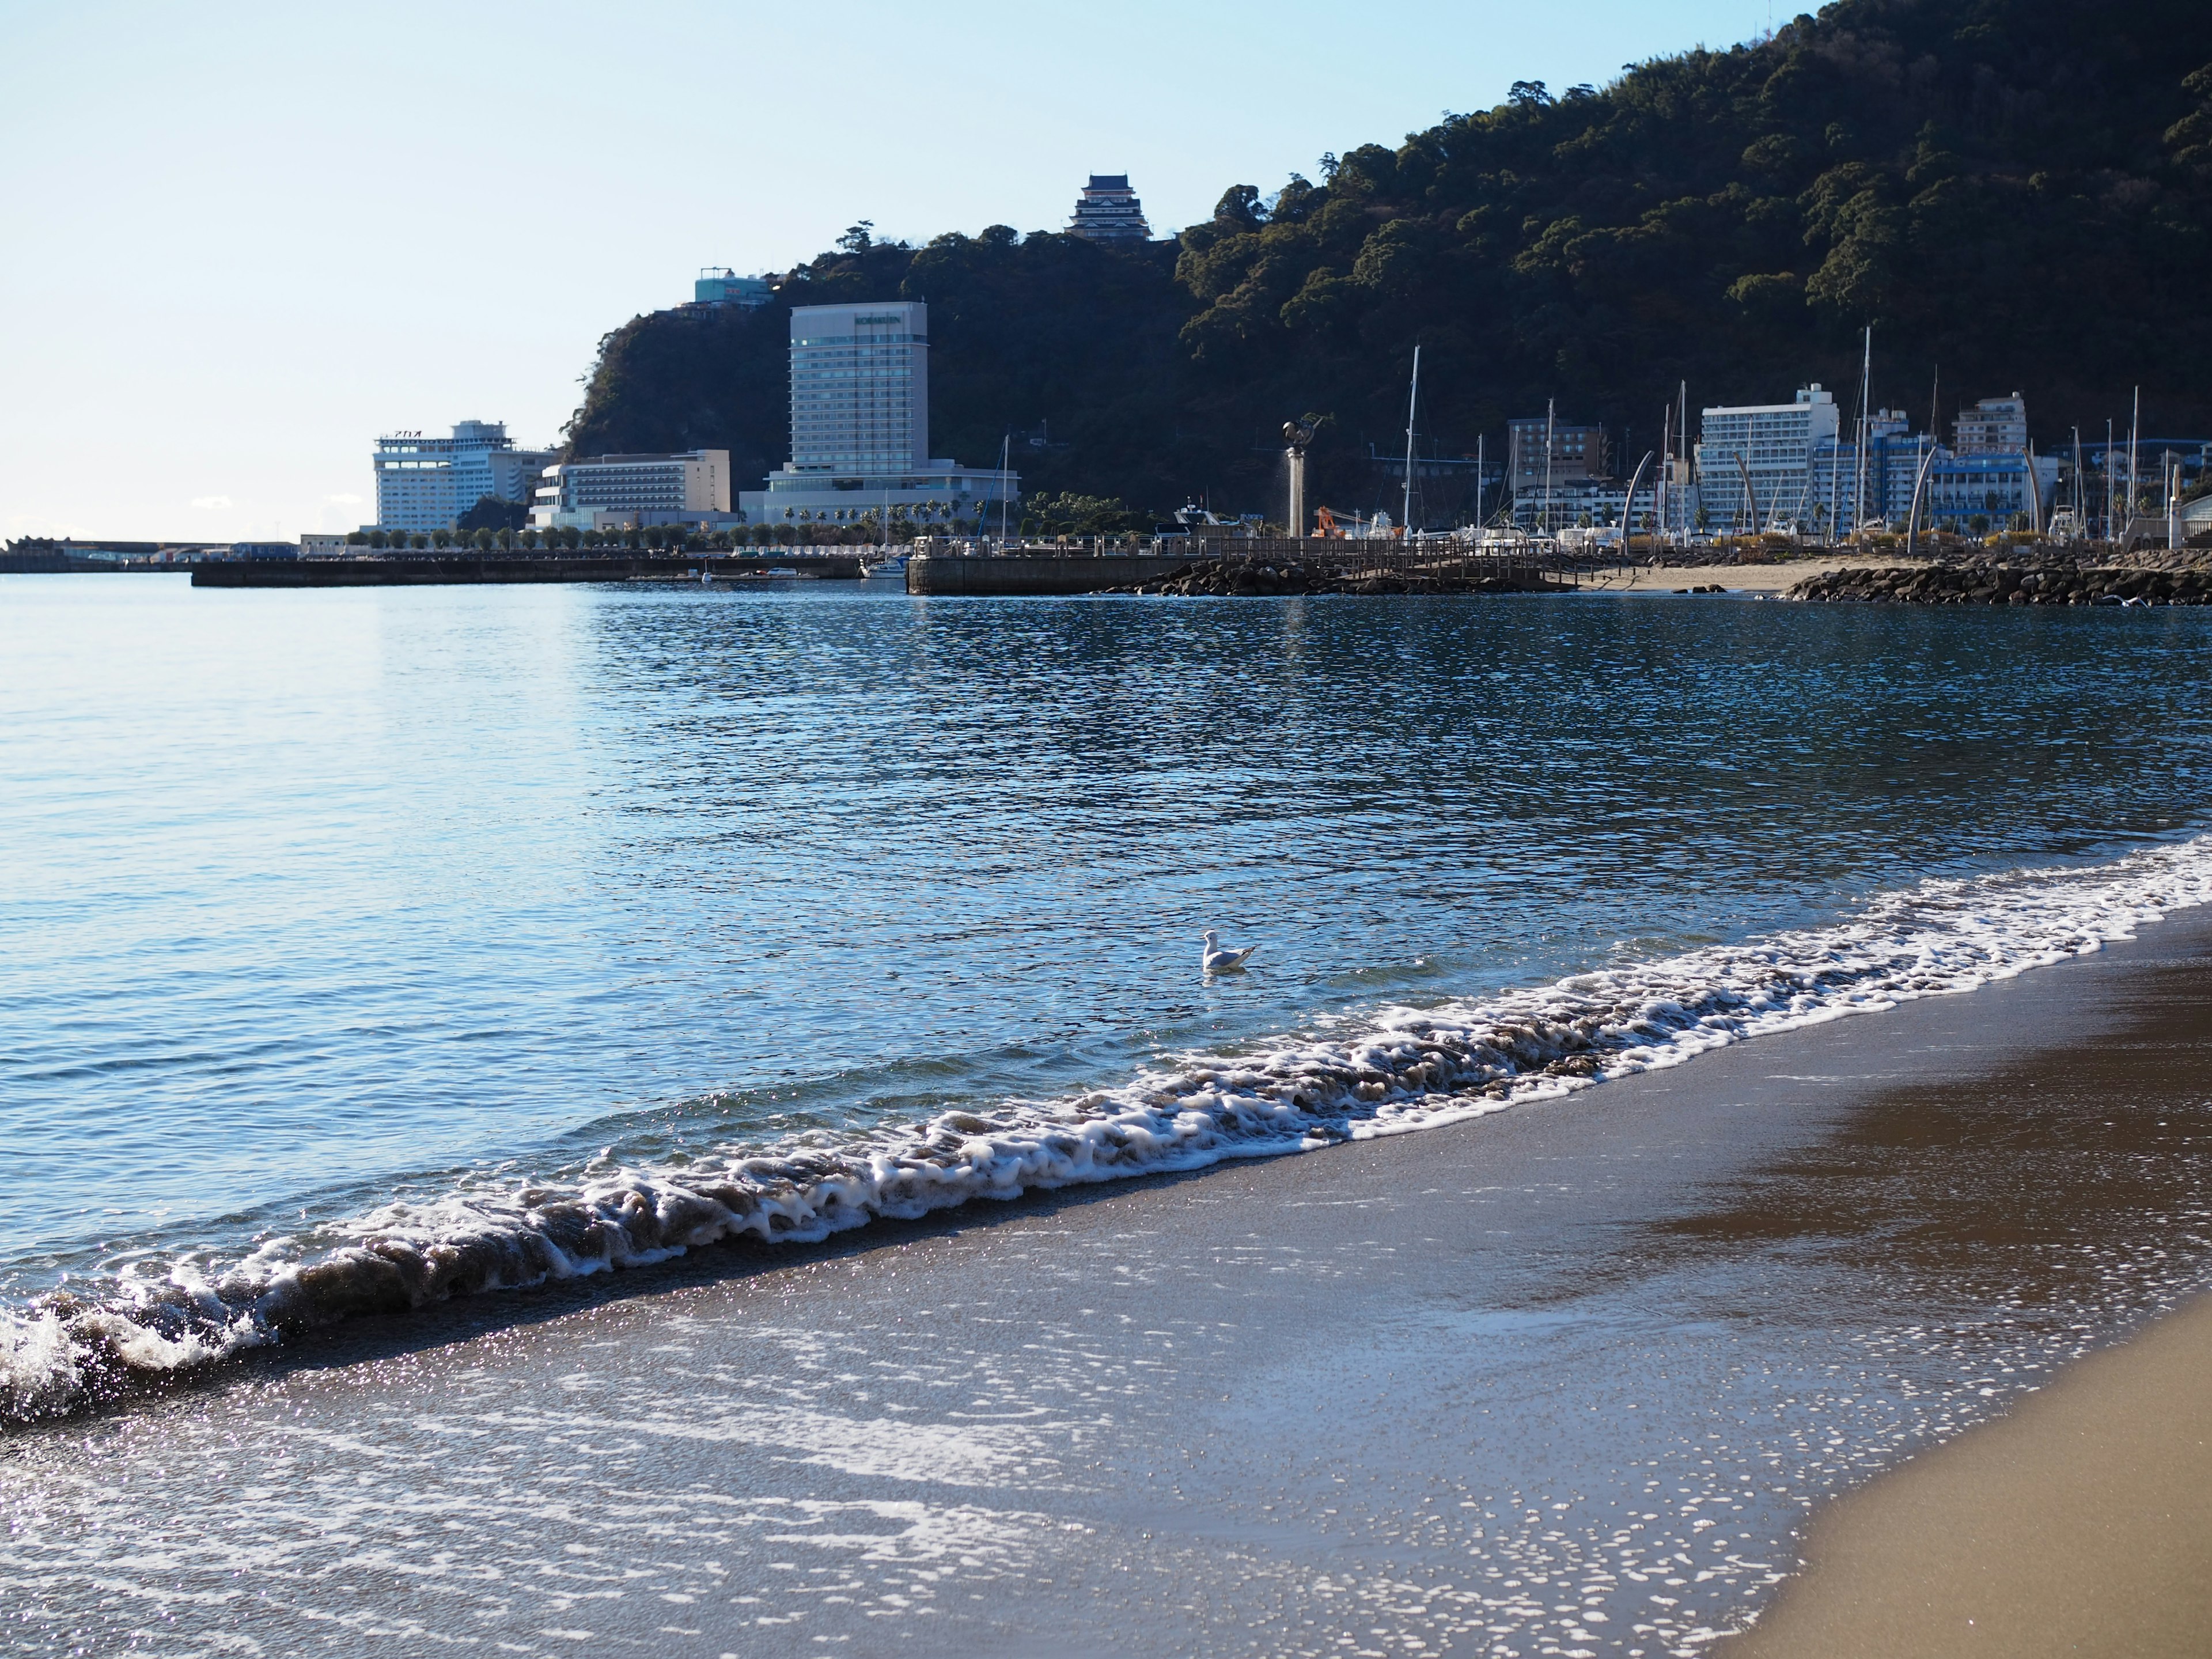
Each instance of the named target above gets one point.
<point>2008,584</point>
<point>1239,578</point>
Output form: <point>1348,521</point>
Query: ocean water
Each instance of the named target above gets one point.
<point>358,949</point>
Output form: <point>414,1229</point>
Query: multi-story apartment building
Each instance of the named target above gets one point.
<point>1108,210</point>
<point>1577,453</point>
<point>1993,475</point>
<point>1841,496</point>
<point>426,483</point>
<point>1768,446</point>
<point>860,425</point>
<point>1994,426</point>
<point>1556,487</point>
<point>1990,485</point>
<point>629,492</point>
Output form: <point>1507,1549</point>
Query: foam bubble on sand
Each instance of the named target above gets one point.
<point>1377,1072</point>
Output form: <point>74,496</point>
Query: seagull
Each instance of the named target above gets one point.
<point>1215,960</point>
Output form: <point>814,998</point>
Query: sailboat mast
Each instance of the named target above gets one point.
<point>2080,504</point>
<point>1412,402</point>
<point>1858,485</point>
<point>1551,413</point>
<point>1682,443</point>
<point>2134,431</point>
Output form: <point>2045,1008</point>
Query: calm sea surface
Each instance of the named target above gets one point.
<point>314,900</point>
<point>360,948</point>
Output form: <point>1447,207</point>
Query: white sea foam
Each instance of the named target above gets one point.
<point>1370,1072</point>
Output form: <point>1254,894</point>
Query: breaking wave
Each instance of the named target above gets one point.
<point>1375,1073</point>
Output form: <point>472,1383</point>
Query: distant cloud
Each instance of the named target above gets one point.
<point>344,501</point>
<point>218,502</point>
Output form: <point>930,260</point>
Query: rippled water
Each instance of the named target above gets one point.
<point>317,901</point>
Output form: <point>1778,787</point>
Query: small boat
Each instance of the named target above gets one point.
<point>891,569</point>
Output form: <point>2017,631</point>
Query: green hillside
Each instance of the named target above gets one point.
<point>2020,190</point>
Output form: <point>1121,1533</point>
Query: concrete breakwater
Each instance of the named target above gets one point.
<point>583,567</point>
<point>1364,571</point>
<point>2045,584</point>
<point>1033,574</point>
<point>1226,578</point>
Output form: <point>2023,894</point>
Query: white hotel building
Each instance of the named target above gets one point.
<point>1773,445</point>
<point>426,483</point>
<point>860,425</point>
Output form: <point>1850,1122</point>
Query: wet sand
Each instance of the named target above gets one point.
<point>2080,1524</point>
<point>1568,1379</point>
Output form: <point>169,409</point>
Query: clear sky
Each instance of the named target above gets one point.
<point>242,239</point>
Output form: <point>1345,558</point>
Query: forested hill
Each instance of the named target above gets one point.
<point>2019,190</point>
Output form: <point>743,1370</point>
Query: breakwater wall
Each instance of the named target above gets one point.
<point>65,564</point>
<point>2007,584</point>
<point>1247,565</point>
<point>1036,573</point>
<point>583,567</point>
<point>1268,578</point>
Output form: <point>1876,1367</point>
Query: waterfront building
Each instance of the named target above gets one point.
<point>860,387</point>
<point>427,483</point>
<point>1108,210</point>
<point>1994,426</point>
<point>1578,457</point>
<point>719,286</point>
<point>1993,485</point>
<point>1772,445</point>
<point>1840,498</point>
<point>860,426</point>
<point>1577,453</point>
<point>630,492</point>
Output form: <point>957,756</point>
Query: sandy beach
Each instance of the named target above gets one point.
<point>1735,577</point>
<point>1564,1379</point>
<point>2080,1524</point>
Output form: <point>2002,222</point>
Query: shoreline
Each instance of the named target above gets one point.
<point>1735,577</point>
<point>2080,1523</point>
<point>1428,1385</point>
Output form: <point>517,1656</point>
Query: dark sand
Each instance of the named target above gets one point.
<point>1564,1380</point>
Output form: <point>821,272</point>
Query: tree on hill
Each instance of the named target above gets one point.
<point>493,512</point>
<point>2018,190</point>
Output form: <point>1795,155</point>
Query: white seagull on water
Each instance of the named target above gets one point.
<point>1215,960</point>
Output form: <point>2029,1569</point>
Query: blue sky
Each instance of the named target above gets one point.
<point>242,239</point>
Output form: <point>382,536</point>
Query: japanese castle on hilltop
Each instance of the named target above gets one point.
<point>1109,211</point>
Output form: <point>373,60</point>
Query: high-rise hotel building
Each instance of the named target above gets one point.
<point>859,388</point>
<point>426,483</point>
<point>859,424</point>
<point>1768,446</point>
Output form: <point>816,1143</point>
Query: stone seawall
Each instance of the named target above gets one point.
<point>2008,584</point>
<point>1034,574</point>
